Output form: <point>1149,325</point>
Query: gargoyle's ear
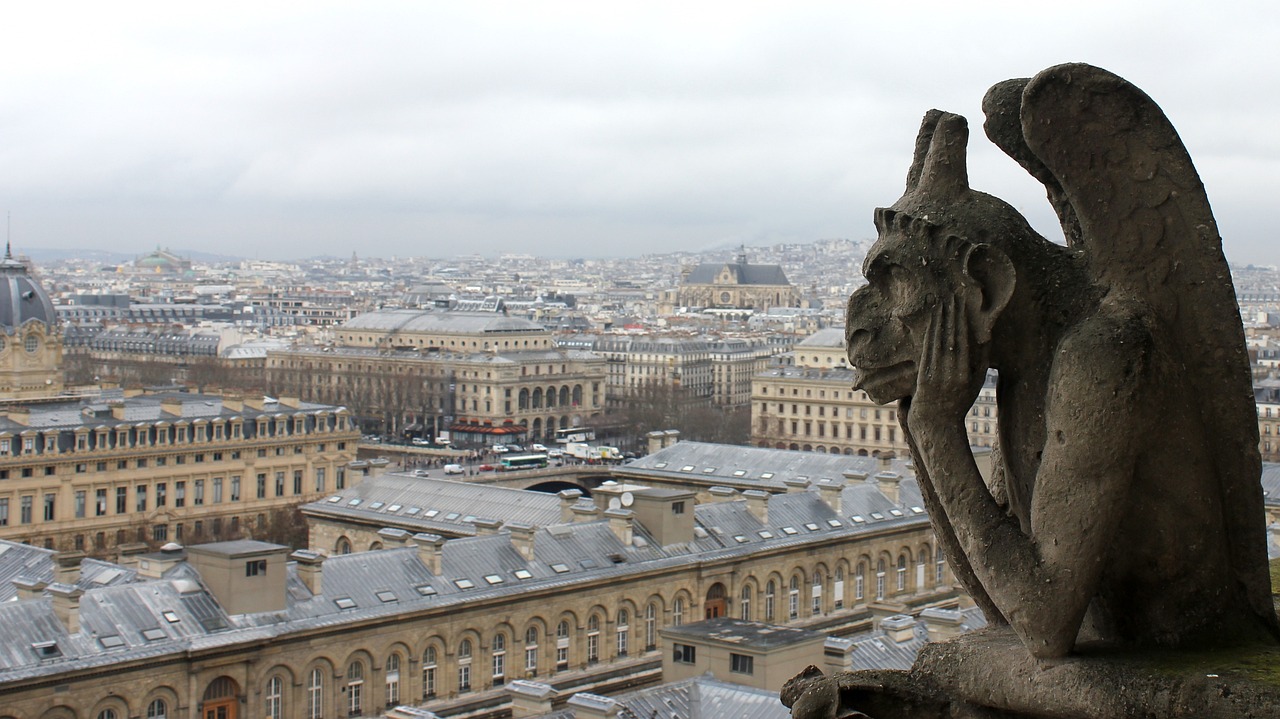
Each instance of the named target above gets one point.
<point>992,272</point>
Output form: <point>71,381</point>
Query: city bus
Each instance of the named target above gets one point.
<point>524,461</point>
<point>575,434</point>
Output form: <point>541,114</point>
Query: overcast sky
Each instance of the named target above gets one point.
<point>279,130</point>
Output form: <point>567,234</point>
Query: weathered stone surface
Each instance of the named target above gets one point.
<point>1124,514</point>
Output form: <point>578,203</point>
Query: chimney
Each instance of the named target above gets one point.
<point>486,527</point>
<point>127,554</point>
<point>620,523</point>
<point>392,537</point>
<point>171,406</point>
<point>522,538</point>
<point>66,605</point>
<point>290,402</point>
<point>430,547</point>
<point>568,498</point>
<point>608,495</point>
<point>855,476</point>
<point>133,390</point>
<point>585,513</point>
<point>67,565</point>
<point>254,402</point>
<point>29,588</point>
<point>671,439</point>
<point>758,504</point>
<point>308,565</point>
<point>723,494</point>
<point>885,461</point>
<point>943,624</point>
<point>899,628</point>
<point>117,410</point>
<point>153,566</point>
<point>233,402</point>
<point>655,440</point>
<point>831,492</point>
<point>593,706</point>
<point>835,652</point>
<point>20,415</point>
<point>378,466</point>
<point>888,483</point>
<point>530,699</point>
<point>796,485</point>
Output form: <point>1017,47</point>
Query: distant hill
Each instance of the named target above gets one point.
<point>105,257</point>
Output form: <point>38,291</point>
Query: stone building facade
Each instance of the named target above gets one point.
<point>446,624</point>
<point>738,285</point>
<point>92,475</point>
<point>30,338</point>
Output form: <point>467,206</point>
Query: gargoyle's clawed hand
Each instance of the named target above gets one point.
<point>949,379</point>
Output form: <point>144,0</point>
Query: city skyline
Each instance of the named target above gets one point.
<point>567,130</point>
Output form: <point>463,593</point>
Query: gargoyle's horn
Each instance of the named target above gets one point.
<point>946,172</point>
<point>923,140</point>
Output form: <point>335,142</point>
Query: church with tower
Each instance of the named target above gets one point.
<point>736,285</point>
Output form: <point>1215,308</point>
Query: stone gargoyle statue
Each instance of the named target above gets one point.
<point>1123,517</point>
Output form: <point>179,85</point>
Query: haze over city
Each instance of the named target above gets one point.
<point>568,129</point>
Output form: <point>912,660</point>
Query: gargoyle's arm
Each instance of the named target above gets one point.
<point>1043,583</point>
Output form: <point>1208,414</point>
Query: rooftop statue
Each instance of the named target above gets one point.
<point>1124,512</point>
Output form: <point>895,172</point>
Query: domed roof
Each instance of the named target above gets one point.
<point>22,299</point>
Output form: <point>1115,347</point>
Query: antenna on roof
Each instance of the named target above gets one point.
<point>8,234</point>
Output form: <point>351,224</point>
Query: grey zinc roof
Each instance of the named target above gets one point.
<point>144,408</point>
<point>435,500</point>
<point>22,299</point>
<point>722,463</point>
<point>826,337</point>
<point>1271,483</point>
<point>440,322</point>
<point>875,650</point>
<point>702,697</point>
<point>746,274</point>
<point>755,635</point>
<point>21,560</point>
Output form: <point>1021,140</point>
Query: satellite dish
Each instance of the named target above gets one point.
<point>614,503</point>
<point>627,499</point>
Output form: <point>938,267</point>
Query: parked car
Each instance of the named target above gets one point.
<point>485,468</point>
<point>540,448</point>
<point>420,473</point>
<point>453,469</point>
<point>555,453</point>
<point>500,448</point>
<point>421,442</point>
<point>514,448</point>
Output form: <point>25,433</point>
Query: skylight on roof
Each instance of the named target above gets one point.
<point>111,641</point>
<point>877,515</point>
<point>687,468</point>
<point>354,503</point>
<point>523,574</point>
<point>708,470</point>
<point>452,516</point>
<point>766,475</point>
<point>493,578</point>
<point>431,513</point>
<point>896,512</point>
<point>376,505</point>
<point>812,527</point>
<point>413,510</point>
<point>765,534</point>
<point>790,530</point>
<point>834,523</point>
<point>345,603</point>
<point>464,584</point>
<point>559,568</point>
<point>335,499</point>
<point>857,518</point>
<point>170,617</point>
<point>740,473</point>
<point>588,563</point>
<point>105,576</point>
<point>154,634</point>
<point>426,590</point>
<point>393,508</point>
<point>469,518</point>
<point>387,596</point>
<point>917,510</point>
<point>659,465</point>
<point>46,650</point>
<point>740,538</point>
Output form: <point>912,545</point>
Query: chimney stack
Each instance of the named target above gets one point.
<point>67,569</point>
<point>855,476</point>
<point>522,539</point>
<point>796,485</point>
<point>585,513</point>
<point>233,402</point>
<point>66,605</point>
<point>486,527</point>
<point>29,588</point>
<point>888,483</point>
<point>885,461</point>
<point>568,498</point>
<point>758,504</point>
<point>593,706</point>
<point>20,415</point>
<point>171,406</point>
<point>943,624</point>
<point>620,523</point>
<point>117,410</point>
<point>831,492</point>
<point>899,628</point>
<point>722,494</point>
<point>530,699</point>
<point>392,537</point>
<point>430,547</point>
<point>309,569</point>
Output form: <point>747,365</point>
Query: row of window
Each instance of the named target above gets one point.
<point>862,412</point>
<point>149,496</point>
<point>806,428</point>
<point>158,461</point>
<point>822,393</point>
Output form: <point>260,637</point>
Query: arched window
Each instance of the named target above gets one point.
<point>902,573</point>
<point>860,582</point>
<point>273,698</point>
<point>464,666</point>
<point>623,631</point>
<point>593,639</point>
<point>531,651</point>
<point>677,612</point>
<point>770,592</point>
<point>343,546</point>
<point>650,627</point>
<point>880,579</point>
<point>499,659</point>
<point>744,604</point>
<point>793,598</point>
<point>838,590</point>
<point>393,679</point>
<point>562,646</point>
<point>355,685</point>
<point>315,694</point>
<point>428,673</point>
<point>105,713</point>
<point>940,567</point>
<point>815,604</point>
<point>157,709</point>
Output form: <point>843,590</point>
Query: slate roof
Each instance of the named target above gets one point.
<point>145,408</point>
<point>827,337</point>
<point>875,650</point>
<point>442,322</point>
<point>22,299</point>
<point>426,504</point>
<point>743,273</point>
<point>702,697</point>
